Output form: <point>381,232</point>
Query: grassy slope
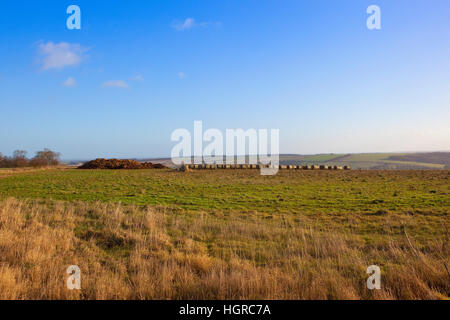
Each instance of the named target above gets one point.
<point>429,157</point>
<point>375,160</point>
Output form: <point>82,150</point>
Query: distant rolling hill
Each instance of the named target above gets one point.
<point>380,161</point>
<point>431,160</point>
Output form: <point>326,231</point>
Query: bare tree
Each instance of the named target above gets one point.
<point>19,159</point>
<point>45,158</point>
<point>3,161</point>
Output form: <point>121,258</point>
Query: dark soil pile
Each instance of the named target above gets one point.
<point>120,164</point>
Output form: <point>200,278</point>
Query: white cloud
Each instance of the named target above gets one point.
<point>115,84</point>
<point>70,82</point>
<point>138,77</point>
<point>183,25</point>
<point>182,75</point>
<point>60,55</point>
<point>190,23</point>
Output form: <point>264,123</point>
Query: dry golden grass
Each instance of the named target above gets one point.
<point>129,252</point>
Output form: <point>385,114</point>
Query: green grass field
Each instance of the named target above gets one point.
<point>321,195</point>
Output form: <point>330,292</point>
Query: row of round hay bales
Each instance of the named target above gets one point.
<point>259,166</point>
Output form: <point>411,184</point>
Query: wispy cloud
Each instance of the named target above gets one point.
<point>137,77</point>
<point>189,23</point>
<point>182,75</point>
<point>115,84</point>
<point>70,83</point>
<point>60,55</point>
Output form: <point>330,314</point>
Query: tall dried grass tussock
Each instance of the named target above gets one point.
<point>130,252</point>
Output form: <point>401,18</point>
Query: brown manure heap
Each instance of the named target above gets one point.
<point>120,164</point>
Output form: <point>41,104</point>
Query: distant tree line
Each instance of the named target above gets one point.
<point>19,159</point>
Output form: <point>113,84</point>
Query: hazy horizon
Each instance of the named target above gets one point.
<point>281,154</point>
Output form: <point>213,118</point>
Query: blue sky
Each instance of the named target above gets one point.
<point>137,70</point>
